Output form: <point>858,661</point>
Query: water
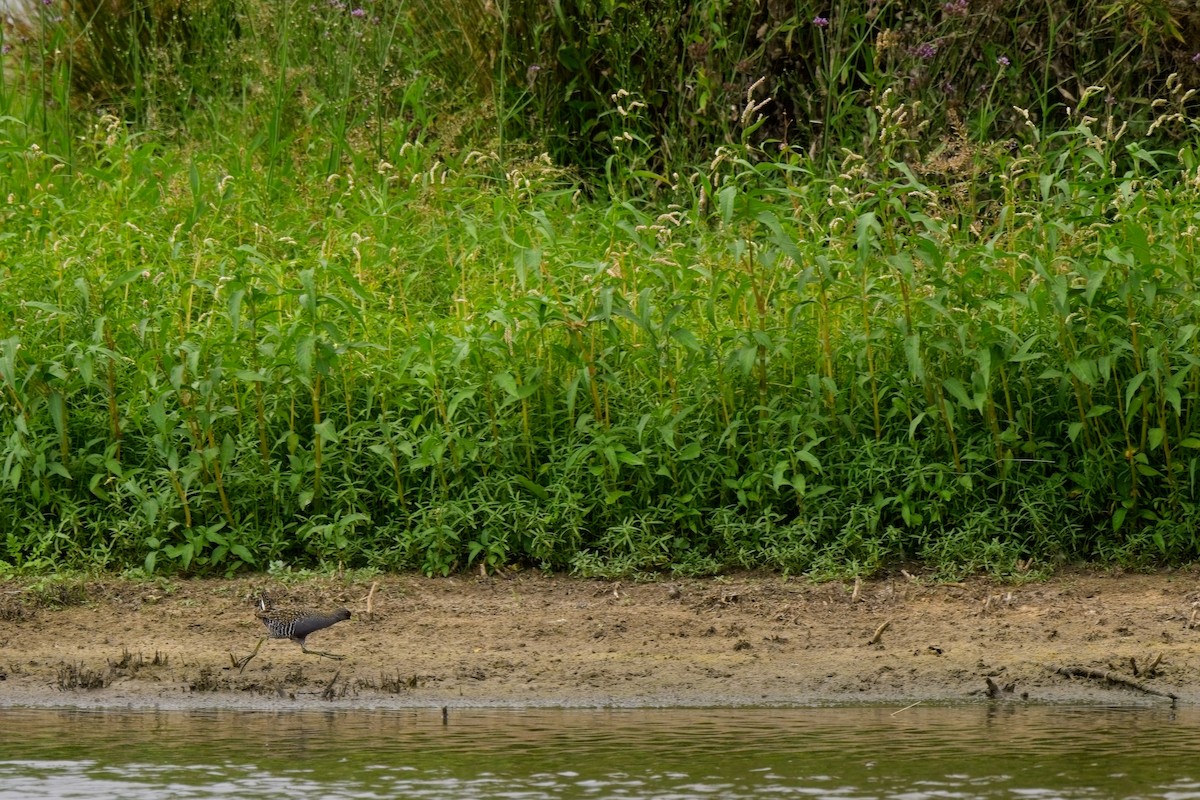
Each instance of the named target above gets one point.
<point>1014,751</point>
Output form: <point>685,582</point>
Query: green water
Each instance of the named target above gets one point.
<point>857,752</point>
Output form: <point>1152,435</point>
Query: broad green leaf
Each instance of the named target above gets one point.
<point>533,488</point>
<point>958,391</point>
<point>326,431</point>
<point>1084,369</point>
<point>1134,384</point>
<point>460,397</point>
<point>1156,436</point>
<point>809,458</point>
<point>777,479</point>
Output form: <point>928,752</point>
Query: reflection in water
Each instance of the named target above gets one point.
<point>848,752</point>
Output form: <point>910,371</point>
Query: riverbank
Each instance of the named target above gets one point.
<point>527,639</point>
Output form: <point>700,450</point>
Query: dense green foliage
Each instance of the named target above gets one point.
<point>293,320</point>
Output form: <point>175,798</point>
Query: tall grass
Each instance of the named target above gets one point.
<point>304,326</point>
<point>410,365</point>
<point>552,70</point>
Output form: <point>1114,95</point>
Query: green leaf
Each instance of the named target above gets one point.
<point>461,396</point>
<point>58,412</point>
<point>954,387</point>
<point>810,459</point>
<point>725,198</point>
<point>235,308</point>
<point>1084,369</point>
<point>125,277</point>
<point>1118,518</point>
<point>777,479</point>
<point>1172,395</point>
<point>1156,437</point>
<point>508,383</point>
<point>227,449</point>
<point>533,488</point>
<point>912,352</point>
<point>158,415</point>
<point>626,457</point>
<point>305,351</point>
<point>326,431</point>
<point>686,338</point>
<point>1134,384</point>
<point>916,421</point>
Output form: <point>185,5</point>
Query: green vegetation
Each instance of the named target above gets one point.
<point>294,286</point>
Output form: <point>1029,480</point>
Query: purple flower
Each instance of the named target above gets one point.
<point>821,22</point>
<point>955,8</point>
<point>926,51</point>
<point>358,12</point>
<point>1003,61</point>
<point>1196,58</point>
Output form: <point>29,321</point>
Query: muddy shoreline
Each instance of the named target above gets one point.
<point>525,639</point>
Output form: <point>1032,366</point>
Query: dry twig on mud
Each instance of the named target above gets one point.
<point>1150,669</point>
<point>1006,692</point>
<point>329,693</point>
<point>371,601</point>
<point>1110,677</point>
<point>879,632</point>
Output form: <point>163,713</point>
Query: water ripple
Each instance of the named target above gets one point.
<point>845,753</point>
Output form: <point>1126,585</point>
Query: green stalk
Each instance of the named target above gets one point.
<point>865,308</point>
<point>950,434</point>
<point>826,337</point>
<point>316,413</point>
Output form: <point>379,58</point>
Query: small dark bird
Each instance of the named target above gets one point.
<point>294,624</point>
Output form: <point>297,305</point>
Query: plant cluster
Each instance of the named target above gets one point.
<point>302,330</point>
<point>553,69</point>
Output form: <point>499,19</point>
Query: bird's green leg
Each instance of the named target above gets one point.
<point>242,662</point>
<point>334,656</point>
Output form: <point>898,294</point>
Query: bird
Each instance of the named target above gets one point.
<point>294,624</point>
